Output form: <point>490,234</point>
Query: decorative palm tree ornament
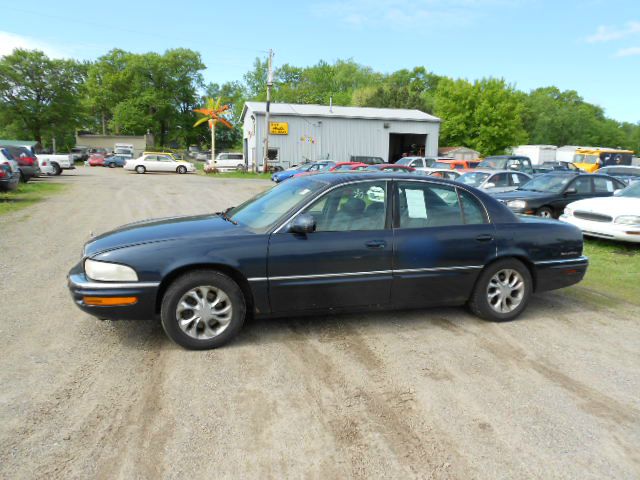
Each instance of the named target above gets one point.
<point>213,113</point>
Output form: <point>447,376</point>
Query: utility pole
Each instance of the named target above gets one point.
<point>266,116</point>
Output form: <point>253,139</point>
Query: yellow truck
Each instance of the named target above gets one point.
<point>591,159</point>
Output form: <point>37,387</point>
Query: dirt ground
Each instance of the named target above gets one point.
<point>418,394</point>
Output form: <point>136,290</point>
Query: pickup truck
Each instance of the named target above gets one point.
<point>59,162</point>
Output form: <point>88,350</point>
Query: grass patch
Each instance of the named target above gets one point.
<point>614,270</point>
<point>27,194</point>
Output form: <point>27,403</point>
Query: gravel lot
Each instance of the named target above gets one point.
<point>418,394</point>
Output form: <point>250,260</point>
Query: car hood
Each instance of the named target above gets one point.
<point>612,206</point>
<point>160,230</point>
<point>520,195</point>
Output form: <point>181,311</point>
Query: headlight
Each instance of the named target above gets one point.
<point>568,212</point>
<point>516,204</point>
<point>109,272</point>
<point>628,220</point>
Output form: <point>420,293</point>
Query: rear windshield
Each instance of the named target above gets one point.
<point>474,178</point>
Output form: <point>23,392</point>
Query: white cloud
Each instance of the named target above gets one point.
<point>10,41</point>
<point>607,33</point>
<point>401,14</point>
<point>628,52</point>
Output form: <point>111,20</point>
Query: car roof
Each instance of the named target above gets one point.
<point>494,171</point>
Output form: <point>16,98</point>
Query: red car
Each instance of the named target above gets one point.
<point>345,166</point>
<point>382,167</point>
<point>96,160</point>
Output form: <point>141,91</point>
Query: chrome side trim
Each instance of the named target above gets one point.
<point>356,274</point>
<point>111,286</point>
<point>582,259</point>
<point>439,269</point>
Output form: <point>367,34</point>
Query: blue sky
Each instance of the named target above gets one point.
<point>591,46</point>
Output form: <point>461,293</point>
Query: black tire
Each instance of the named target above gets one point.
<point>181,170</point>
<point>23,179</point>
<point>545,212</point>
<point>112,165</point>
<point>479,301</point>
<point>189,281</point>
<point>57,169</point>
<point>140,169</point>
<point>240,167</point>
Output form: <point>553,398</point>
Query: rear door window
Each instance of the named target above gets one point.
<point>422,205</point>
<point>603,185</point>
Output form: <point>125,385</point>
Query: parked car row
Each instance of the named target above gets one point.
<point>20,164</point>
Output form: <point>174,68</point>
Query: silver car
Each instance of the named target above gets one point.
<point>494,181</point>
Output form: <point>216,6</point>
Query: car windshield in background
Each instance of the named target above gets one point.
<point>474,179</point>
<point>405,161</point>
<point>589,159</point>
<point>632,190</point>
<point>617,171</point>
<point>344,167</point>
<point>440,165</point>
<point>263,211</point>
<point>494,163</point>
<point>547,183</point>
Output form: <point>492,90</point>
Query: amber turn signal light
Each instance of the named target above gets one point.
<point>109,301</point>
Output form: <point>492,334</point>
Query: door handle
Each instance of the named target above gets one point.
<point>484,238</point>
<point>376,244</point>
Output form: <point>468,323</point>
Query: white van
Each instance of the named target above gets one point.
<point>229,161</point>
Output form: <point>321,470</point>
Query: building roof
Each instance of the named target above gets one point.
<point>443,150</point>
<point>339,112</point>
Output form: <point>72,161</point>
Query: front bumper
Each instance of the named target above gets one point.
<point>606,230</point>
<point>144,292</point>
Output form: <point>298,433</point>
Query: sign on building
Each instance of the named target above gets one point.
<point>278,128</point>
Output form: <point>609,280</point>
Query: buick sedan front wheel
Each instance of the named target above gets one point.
<point>202,309</point>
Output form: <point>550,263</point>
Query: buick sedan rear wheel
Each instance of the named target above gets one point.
<point>202,309</point>
<point>502,291</point>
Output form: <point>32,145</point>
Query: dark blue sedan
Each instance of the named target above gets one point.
<point>115,161</point>
<point>322,243</point>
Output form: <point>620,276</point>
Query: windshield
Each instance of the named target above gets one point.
<point>495,163</point>
<point>264,210</point>
<point>547,183</point>
<point>440,165</point>
<point>474,179</point>
<point>616,171</point>
<point>405,161</point>
<point>344,167</point>
<point>632,190</point>
<point>589,159</point>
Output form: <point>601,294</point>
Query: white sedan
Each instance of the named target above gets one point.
<point>614,218</point>
<point>158,163</point>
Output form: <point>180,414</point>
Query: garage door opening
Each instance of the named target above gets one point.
<point>409,143</point>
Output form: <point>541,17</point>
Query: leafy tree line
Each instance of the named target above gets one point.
<point>127,93</point>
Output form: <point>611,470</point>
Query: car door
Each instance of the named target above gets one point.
<point>583,187</point>
<point>498,183</point>
<point>345,263</point>
<point>604,187</point>
<point>151,163</point>
<point>166,164</point>
<point>442,240</point>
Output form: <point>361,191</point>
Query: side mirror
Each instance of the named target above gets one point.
<point>303,224</point>
<point>490,185</point>
<point>570,191</point>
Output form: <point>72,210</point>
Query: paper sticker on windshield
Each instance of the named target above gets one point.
<point>304,191</point>
<point>610,186</point>
<point>415,204</point>
<point>516,178</point>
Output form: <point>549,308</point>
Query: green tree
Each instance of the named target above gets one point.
<point>484,115</point>
<point>40,97</point>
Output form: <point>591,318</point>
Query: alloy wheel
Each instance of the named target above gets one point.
<point>505,291</point>
<point>204,312</point>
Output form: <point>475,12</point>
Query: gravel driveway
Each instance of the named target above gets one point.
<point>417,394</point>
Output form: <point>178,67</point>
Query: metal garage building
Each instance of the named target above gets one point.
<point>318,132</point>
